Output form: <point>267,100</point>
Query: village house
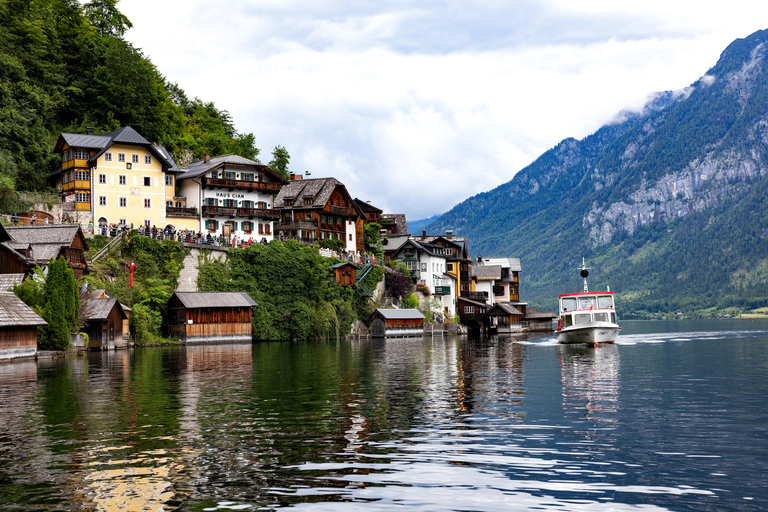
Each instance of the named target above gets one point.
<point>234,196</point>
<point>18,328</point>
<point>370,212</point>
<point>22,248</point>
<point>318,209</point>
<point>105,322</point>
<point>118,179</point>
<point>199,317</point>
<point>427,264</point>
<point>394,224</point>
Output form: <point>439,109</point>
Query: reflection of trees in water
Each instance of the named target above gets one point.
<point>590,381</point>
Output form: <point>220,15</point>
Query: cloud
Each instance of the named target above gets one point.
<point>418,108</point>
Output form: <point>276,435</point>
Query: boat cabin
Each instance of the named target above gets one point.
<point>582,308</point>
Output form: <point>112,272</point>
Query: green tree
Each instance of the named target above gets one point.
<point>108,20</point>
<point>280,161</point>
<point>60,299</point>
<point>372,238</point>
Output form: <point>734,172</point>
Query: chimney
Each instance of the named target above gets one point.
<point>295,177</point>
<point>449,234</point>
<point>90,130</point>
<point>423,234</point>
<point>207,157</point>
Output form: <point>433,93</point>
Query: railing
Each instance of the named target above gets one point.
<point>442,290</point>
<point>104,250</point>
<point>171,211</point>
<point>298,224</point>
<point>340,210</point>
<point>264,186</point>
<point>209,210</point>
<point>476,295</point>
<point>298,239</point>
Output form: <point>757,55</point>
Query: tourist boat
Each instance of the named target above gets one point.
<point>587,317</point>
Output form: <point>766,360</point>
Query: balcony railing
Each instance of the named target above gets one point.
<point>442,290</point>
<point>296,225</point>
<point>340,210</point>
<point>265,213</point>
<point>264,186</point>
<point>483,296</point>
<point>171,211</point>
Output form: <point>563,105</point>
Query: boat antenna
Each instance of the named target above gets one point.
<point>584,274</point>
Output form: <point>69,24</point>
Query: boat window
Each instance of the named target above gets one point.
<point>600,317</point>
<point>605,302</point>
<point>586,302</point>
<point>568,320</point>
<point>581,318</point>
<point>613,318</point>
<point>569,304</point>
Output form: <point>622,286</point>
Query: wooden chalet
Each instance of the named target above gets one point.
<point>539,320</point>
<point>320,209</point>
<point>24,247</point>
<point>395,323</point>
<point>370,212</point>
<point>472,312</point>
<point>344,273</point>
<point>18,327</point>
<point>200,317</point>
<point>105,322</point>
<point>504,318</point>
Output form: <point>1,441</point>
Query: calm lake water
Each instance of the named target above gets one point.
<point>672,417</point>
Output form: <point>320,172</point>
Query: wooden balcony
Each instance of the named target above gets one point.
<point>224,211</point>
<point>296,225</point>
<point>262,186</point>
<point>442,290</point>
<point>171,211</point>
<point>481,296</point>
<point>340,210</point>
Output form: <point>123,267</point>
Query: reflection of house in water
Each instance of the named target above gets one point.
<point>590,381</point>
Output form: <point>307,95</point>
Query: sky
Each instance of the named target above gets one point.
<point>416,106</point>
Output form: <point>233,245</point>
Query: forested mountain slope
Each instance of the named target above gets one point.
<point>669,206</point>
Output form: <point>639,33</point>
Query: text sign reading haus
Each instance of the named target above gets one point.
<point>229,194</point>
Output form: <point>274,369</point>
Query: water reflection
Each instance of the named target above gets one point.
<point>590,381</point>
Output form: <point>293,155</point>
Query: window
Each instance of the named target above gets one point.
<point>123,202</point>
<point>568,304</point>
<point>83,197</point>
<point>83,175</point>
<point>229,175</point>
<point>268,231</point>
<point>168,180</point>
<point>350,237</point>
<point>450,267</point>
<point>261,228</point>
<point>605,302</point>
<point>102,200</point>
<point>102,179</point>
<point>123,222</point>
<point>147,223</point>
<point>581,318</point>
<point>108,156</point>
<point>147,181</point>
<point>246,176</point>
<point>469,309</point>
<point>121,157</point>
<point>247,204</point>
<point>81,154</point>
<point>586,302</point>
<point>600,317</point>
<point>247,226</point>
<point>211,225</point>
<point>498,291</point>
<point>210,201</point>
<point>424,267</point>
<point>147,202</point>
<point>232,225</point>
<point>122,180</point>
<point>169,204</point>
<point>229,203</point>
<point>147,159</point>
<point>134,158</point>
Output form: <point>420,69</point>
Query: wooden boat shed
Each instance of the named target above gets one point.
<point>18,328</point>
<point>344,273</point>
<point>397,323</point>
<point>105,321</point>
<point>504,317</point>
<point>201,317</point>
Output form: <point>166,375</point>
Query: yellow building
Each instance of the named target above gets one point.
<point>119,179</point>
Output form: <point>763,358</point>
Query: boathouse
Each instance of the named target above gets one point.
<point>504,317</point>
<point>105,320</point>
<point>199,317</point>
<point>18,328</point>
<point>344,273</point>
<point>396,323</point>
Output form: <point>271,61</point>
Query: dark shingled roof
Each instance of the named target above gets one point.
<point>317,190</point>
<point>486,272</point>
<point>14,312</point>
<point>200,167</point>
<point>401,225</point>
<point>504,308</point>
<point>401,314</point>
<point>46,241</point>
<point>99,309</point>
<point>196,300</point>
<point>366,206</point>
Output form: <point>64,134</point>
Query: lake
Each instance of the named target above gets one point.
<point>674,416</point>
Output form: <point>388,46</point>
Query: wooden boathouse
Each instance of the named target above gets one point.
<point>503,317</point>
<point>344,273</point>
<point>395,323</point>
<point>200,317</point>
<point>18,328</point>
<point>105,319</point>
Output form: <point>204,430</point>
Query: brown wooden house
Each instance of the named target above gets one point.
<point>395,323</point>
<point>199,317</point>
<point>472,312</point>
<point>18,328</point>
<point>344,273</point>
<point>24,247</point>
<point>503,317</point>
<point>104,323</point>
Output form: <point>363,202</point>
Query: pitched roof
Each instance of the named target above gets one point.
<point>504,308</point>
<point>200,167</point>
<point>366,206</point>
<point>398,219</point>
<point>318,191</point>
<point>99,309</point>
<point>45,242</point>
<point>512,263</point>
<point>14,312</point>
<point>124,135</point>
<point>400,314</point>
<point>8,281</point>
<point>196,300</point>
<point>343,264</point>
<point>486,272</point>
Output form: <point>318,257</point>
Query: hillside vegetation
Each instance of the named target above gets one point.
<point>668,205</point>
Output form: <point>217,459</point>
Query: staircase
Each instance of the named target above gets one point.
<point>105,250</point>
<point>361,286</point>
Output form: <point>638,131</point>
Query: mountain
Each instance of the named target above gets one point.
<point>667,205</point>
<point>415,226</point>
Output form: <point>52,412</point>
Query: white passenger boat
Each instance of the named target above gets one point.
<point>587,317</point>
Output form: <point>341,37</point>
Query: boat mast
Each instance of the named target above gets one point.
<point>584,274</point>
